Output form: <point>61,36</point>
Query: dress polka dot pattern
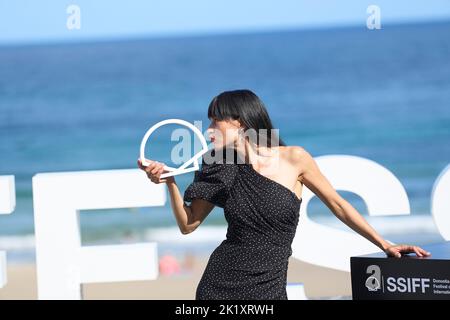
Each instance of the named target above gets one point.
<point>262,217</point>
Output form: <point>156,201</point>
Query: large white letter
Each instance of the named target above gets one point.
<point>378,187</point>
<point>440,203</point>
<point>63,264</point>
<point>7,205</point>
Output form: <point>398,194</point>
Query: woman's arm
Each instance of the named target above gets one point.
<point>312,177</point>
<point>188,217</point>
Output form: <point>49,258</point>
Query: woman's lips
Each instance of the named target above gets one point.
<point>212,139</point>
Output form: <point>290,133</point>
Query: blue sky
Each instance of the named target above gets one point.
<point>23,21</point>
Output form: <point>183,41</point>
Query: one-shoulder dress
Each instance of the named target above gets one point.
<point>262,217</point>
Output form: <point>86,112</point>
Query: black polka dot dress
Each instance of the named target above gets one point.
<point>262,217</point>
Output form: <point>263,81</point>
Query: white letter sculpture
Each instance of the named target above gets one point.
<point>7,205</point>
<point>378,187</point>
<point>440,203</point>
<point>63,264</point>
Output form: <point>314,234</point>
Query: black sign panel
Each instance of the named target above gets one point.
<point>378,277</point>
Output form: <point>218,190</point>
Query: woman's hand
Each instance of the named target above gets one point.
<point>398,249</point>
<point>154,170</point>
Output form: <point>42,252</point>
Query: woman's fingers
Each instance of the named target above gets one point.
<point>160,168</point>
<point>140,165</point>
<point>150,167</point>
<point>156,173</point>
<point>407,248</point>
<point>397,254</point>
<point>154,170</point>
<point>422,251</point>
<point>417,251</point>
<point>414,249</point>
<point>160,173</point>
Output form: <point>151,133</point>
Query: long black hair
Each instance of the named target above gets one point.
<point>247,107</point>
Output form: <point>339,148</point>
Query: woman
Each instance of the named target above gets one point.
<point>260,191</point>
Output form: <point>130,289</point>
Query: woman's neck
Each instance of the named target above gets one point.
<point>257,155</point>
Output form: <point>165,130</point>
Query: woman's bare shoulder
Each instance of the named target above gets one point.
<point>294,154</point>
<point>299,158</point>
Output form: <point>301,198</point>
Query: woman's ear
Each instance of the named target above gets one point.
<point>239,124</point>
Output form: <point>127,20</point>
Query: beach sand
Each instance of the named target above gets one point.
<point>320,283</point>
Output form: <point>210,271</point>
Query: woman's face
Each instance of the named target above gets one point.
<point>223,132</point>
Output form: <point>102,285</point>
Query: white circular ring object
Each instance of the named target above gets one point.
<point>182,169</point>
